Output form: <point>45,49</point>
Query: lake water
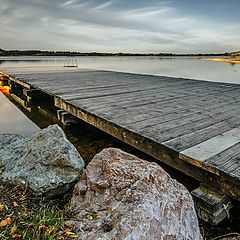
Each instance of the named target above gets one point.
<point>13,120</point>
<point>166,66</point>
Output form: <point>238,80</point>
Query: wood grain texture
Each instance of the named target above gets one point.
<point>212,146</point>
<point>168,118</point>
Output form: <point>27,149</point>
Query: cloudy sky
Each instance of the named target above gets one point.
<point>179,26</point>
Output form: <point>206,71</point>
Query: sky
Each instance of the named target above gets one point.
<point>136,26</point>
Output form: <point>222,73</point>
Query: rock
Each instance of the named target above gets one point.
<point>8,138</point>
<point>120,196</point>
<point>47,162</point>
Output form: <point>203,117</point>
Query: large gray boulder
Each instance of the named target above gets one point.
<point>122,197</point>
<point>47,162</point>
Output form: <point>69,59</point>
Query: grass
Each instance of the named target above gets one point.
<point>26,217</point>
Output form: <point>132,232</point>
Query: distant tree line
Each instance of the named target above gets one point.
<point>69,53</point>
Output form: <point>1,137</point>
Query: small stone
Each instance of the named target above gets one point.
<point>89,217</point>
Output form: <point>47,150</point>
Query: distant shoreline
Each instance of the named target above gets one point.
<point>228,60</point>
<point>10,53</point>
<point>35,52</point>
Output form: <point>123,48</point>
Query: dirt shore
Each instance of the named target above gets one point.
<point>228,60</point>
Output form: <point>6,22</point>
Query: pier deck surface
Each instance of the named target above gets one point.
<point>191,125</point>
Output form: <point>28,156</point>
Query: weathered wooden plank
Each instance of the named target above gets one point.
<point>87,90</point>
<point>109,92</point>
<point>142,85</point>
<point>130,78</point>
<point>227,160</point>
<point>20,82</point>
<point>119,76</point>
<point>211,147</point>
<point>195,137</point>
<point>171,123</point>
<point>186,109</point>
<point>236,172</point>
<point>163,135</point>
<point>97,94</point>
<point>103,76</point>
<point>120,107</point>
<point>80,87</point>
<point>162,107</point>
<point>172,100</point>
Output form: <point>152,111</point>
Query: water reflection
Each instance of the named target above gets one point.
<point>12,120</point>
<point>233,66</point>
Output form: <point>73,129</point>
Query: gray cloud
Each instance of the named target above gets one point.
<point>104,26</point>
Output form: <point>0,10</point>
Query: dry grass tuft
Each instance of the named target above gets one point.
<point>27,217</point>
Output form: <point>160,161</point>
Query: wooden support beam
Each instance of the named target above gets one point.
<point>19,82</point>
<point>66,118</point>
<point>4,77</point>
<point>15,88</point>
<point>21,101</point>
<point>46,113</point>
<point>4,83</point>
<point>59,114</point>
<point>212,206</point>
<point>32,92</point>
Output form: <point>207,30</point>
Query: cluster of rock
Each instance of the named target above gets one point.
<point>118,196</point>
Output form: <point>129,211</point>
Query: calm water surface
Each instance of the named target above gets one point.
<point>13,120</point>
<point>175,67</point>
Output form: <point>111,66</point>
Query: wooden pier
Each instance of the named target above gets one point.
<point>191,125</point>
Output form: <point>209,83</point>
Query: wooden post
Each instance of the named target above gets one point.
<point>211,206</point>
<point>37,97</point>
<point>4,77</point>
<point>59,116</point>
<point>15,88</point>
<point>66,118</point>
<point>4,83</point>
